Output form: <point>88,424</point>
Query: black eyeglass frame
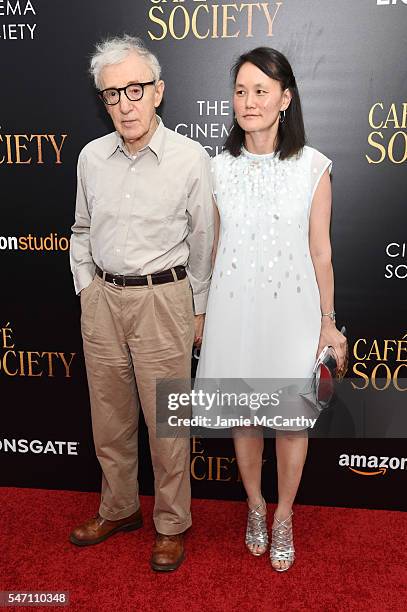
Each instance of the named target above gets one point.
<point>120,89</point>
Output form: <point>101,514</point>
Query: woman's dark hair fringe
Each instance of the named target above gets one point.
<point>291,133</point>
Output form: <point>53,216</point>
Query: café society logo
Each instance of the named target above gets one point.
<point>28,149</point>
<point>31,364</point>
<point>212,467</point>
<point>388,136</point>
<point>380,363</point>
<point>201,19</point>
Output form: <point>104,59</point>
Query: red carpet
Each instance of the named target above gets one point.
<point>346,559</point>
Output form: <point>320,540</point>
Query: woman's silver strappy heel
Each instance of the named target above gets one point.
<point>282,546</point>
<point>256,531</point>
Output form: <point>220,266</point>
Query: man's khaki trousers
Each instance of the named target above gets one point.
<point>131,337</point>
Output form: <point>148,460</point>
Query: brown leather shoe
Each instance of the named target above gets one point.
<point>168,552</point>
<point>98,529</point>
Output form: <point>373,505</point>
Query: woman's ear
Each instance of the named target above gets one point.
<point>287,96</point>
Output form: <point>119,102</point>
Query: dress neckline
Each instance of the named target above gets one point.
<point>257,156</point>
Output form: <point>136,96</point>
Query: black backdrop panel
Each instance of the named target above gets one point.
<point>348,58</point>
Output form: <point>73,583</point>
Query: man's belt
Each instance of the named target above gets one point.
<point>157,278</point>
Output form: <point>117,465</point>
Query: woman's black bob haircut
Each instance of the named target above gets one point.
<point>291,133</point>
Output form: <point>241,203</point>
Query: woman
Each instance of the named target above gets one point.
<point>271,305</point>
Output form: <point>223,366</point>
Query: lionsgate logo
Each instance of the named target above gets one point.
<point>38,447</point>
<point>372,465</point>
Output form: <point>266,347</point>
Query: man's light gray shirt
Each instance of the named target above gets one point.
<point>145,213</point>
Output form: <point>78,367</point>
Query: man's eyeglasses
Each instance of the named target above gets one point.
<point>134,92</point>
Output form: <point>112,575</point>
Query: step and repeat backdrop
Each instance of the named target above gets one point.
<point>349,60</point>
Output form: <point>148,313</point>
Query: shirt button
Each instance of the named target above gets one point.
<point>127,196</point>
<point>133,169</point>
<point>117,250</point>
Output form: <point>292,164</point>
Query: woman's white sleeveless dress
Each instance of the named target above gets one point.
<point>263,316</point>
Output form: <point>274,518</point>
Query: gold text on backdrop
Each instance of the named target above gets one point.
<point>380,363</point>
<point>31,364</point>
<point>31,148</point>
<point>391,144</point>
<point>201,19</point>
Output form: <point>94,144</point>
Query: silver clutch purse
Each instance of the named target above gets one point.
<point>321,387</point>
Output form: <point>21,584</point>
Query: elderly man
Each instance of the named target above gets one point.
<point>141,241</point>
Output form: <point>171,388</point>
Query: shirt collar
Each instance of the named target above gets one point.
<point>156,144</point>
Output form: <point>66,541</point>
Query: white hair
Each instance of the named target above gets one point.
<point>116,50</point>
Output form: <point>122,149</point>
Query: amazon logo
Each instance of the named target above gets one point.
<point>372,465</point>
